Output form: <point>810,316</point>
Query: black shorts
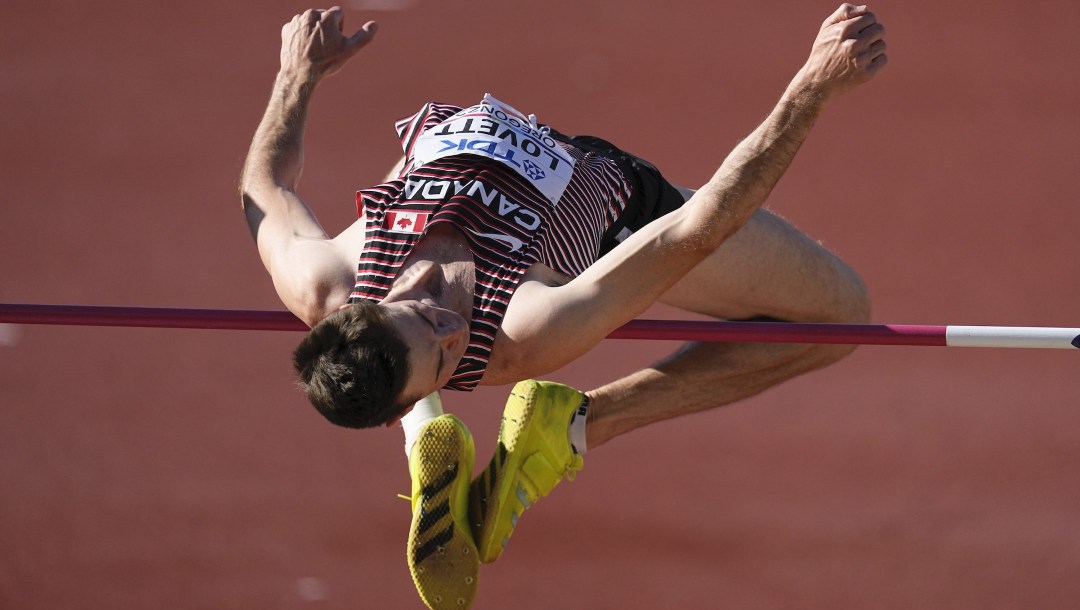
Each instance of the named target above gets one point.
<point>651,195</point>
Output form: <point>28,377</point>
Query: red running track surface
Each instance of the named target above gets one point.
<point>149,468</point>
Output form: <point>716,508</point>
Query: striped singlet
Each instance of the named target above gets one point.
<point>518,196</point>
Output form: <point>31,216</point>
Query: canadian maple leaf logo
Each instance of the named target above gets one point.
<point>406,222</point>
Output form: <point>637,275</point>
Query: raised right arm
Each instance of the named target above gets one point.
<point>553,325</point>
<point>311,274</point>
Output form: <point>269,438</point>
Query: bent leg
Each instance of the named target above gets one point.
<point>770,268</point>
<point>767,269</point>
<point>698,377</point>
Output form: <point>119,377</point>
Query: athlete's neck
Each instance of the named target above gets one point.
<point>439,270</point>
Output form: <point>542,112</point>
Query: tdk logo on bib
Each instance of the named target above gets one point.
<point>492,130</point>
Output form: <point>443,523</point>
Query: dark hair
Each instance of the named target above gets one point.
<point>353,366</point>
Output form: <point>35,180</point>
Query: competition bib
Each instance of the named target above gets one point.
<point>494,130</point>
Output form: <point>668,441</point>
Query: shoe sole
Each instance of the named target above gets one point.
<point>496,493</point>
<point>441,553</point>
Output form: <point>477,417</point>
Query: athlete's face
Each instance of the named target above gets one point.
<point>437,339</point>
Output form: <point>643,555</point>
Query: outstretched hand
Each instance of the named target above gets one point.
<point>314,45</point>
<point>848,51</point>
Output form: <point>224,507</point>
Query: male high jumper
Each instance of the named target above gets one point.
<point>500,249</point>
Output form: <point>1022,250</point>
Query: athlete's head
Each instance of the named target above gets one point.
<point>366,365</point>
<point>353,366</point>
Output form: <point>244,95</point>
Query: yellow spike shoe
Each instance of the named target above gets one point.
<point>441,553</point>
<point>533,454</point>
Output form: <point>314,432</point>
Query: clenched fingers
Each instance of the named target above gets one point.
<point>313,42</point>
<point>875,57</point>
<point>869,35</point>
<point>844,13</point>
<point>849,50</point>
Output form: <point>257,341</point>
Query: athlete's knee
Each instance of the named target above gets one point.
<point>824,355</point>
<point>850,302</point>
<point>853,306</point>
<point>858,301</point>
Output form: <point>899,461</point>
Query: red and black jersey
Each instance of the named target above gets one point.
<point>509,225</point>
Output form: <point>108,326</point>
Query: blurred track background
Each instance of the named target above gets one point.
<point>182,469</point>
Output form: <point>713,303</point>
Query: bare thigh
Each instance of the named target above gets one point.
<point>770,268</point>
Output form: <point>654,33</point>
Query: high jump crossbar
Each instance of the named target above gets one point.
<point>663,330</point>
